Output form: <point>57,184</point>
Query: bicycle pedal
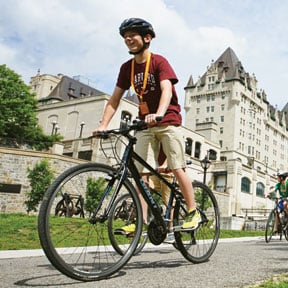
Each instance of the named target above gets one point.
<point>130,235</point>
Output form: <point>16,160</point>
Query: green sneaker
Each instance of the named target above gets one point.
<point>127,229</point>
<point>192,221</point>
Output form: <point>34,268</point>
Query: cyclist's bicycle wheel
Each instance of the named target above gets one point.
<point>80,247</point>
<point>122,214</point>
<point>199,244</point>
<point>269,230</point>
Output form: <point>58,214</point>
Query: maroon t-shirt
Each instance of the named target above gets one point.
<point>159,70</point>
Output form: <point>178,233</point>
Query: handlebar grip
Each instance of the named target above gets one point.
<point>101,134</point>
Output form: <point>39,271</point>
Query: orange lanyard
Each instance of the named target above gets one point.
<point>145,76</point>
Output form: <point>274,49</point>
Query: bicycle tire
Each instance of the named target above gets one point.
<point>198,245</point>
<point>77,248</point>
<point>122,213</point>
<point>269,229</point>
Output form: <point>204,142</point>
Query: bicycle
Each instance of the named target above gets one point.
<point>68,207</point>
<point>123,210</point>
<point>281,222</point>
<point>81,248</point>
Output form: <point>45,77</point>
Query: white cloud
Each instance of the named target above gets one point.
<point>81,38</point>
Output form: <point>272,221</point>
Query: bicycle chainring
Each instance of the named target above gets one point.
<point>156,233</point>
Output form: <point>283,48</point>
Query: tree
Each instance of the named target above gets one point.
<point>40,177</point>
<point>94,192</point>
<point>18,119</point>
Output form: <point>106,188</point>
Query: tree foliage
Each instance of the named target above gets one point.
<point>18,119</point>
<point>94,192</point>
<point>40,178</point>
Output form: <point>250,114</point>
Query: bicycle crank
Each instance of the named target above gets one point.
<point>156,232</point>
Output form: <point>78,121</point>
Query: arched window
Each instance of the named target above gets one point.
<point>212,154</point>
<point>188,146</point>
<point>260,188</point>
<point>197,150</point>
<point>245,185</point>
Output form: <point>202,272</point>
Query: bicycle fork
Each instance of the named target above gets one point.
<point>119,174</point>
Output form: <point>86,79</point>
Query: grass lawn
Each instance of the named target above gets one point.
<point>19,231</point>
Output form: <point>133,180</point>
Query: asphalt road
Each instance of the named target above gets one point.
<point>235,263</point>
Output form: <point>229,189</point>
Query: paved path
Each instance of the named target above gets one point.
<point>235,263</point>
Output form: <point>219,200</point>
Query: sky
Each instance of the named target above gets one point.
<point>80,37</point>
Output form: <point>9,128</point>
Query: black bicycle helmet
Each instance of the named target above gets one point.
<point>141,26</point>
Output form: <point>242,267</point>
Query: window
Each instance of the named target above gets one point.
<point>222,118</point>
<point>125,118</point>
<point>86,155</point>
<point>197,150</point>
<point>212,154</point>
<point>188,146</point>
<point>245,185</point>
<point>260,188</point>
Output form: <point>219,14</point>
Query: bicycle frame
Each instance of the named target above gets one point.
<point>127,163</point>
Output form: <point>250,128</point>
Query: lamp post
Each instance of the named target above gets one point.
<point>56,128</point>
<point>81,129</point>
<point>54,123</point>
<point>205,164</point>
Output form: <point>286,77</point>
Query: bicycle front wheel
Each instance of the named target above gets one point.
<point>198,245</point>
<point>270,226</point>
<point>78,246</point>
<point>122,214</point>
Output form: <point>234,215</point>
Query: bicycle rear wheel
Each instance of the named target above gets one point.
<point>199,244</point>
<point>269,230</point>
<point>123,213</point>
<point>77,247</point>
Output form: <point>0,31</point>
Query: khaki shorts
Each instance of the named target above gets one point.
<point>148,145</point>
<point>158,185</point>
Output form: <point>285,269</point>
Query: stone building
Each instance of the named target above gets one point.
<point>225,106</point>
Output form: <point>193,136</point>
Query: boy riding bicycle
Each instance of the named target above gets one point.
<point>152,78</point>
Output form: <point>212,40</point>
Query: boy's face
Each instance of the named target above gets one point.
<point>134,41</point>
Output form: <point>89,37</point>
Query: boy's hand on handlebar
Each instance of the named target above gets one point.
<point>98,130</point>
<point>152,119</point>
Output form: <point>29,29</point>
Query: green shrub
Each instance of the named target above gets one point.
<point>40,177</point>
<point>95,189</point>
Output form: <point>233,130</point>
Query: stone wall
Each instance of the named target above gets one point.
<point>14,164</point>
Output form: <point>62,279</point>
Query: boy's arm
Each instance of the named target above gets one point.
<point>110,109</point>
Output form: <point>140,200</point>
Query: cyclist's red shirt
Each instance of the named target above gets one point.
<point>160,69</point>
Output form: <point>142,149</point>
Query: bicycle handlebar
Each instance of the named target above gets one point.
<point>136,125</point>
